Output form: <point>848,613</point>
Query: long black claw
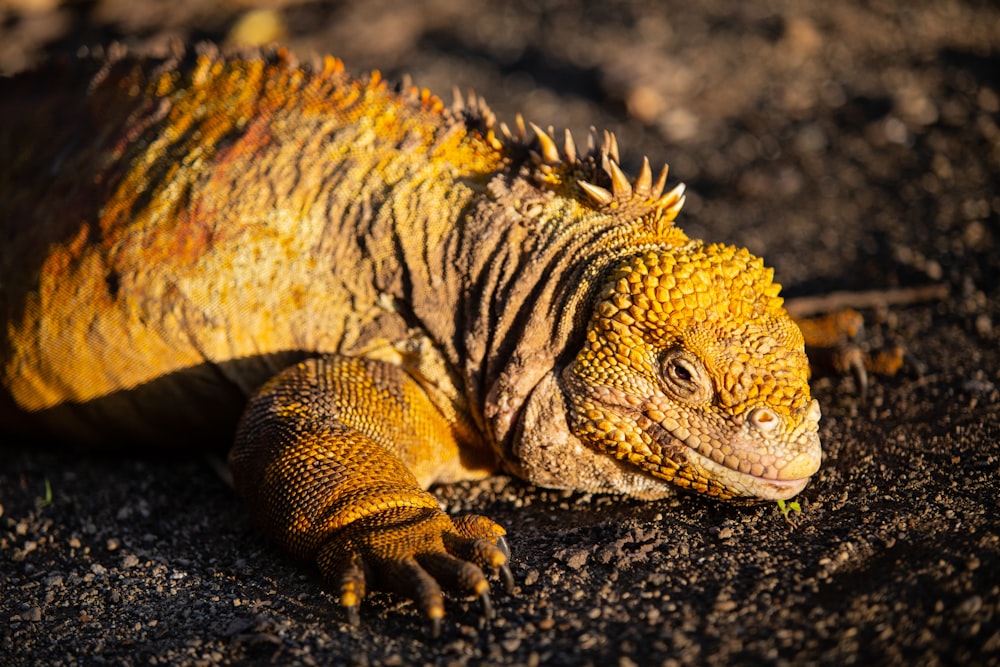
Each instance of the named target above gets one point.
<point>487,605</point>
<point>503,547</point>
<point>436,628</point>
<point>507,577</point>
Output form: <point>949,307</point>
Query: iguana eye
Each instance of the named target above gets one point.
<point>681,372</point>
<point>685,377</point>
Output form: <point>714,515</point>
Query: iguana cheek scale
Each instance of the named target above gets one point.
<point>376,293</point>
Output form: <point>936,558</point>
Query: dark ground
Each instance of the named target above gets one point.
<point>853,145</point>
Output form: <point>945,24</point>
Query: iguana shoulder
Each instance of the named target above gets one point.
<point>470,297</point>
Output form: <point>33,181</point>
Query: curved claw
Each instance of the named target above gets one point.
<point>507,577</point>
<point>830,342</point>
<point>849,358</point>
<point>503,547</point>
<point>856,364</point>
<point>487,606</point>
<point>354,615</point>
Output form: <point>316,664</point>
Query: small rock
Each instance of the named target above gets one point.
<point>971,606</point>
<point>725,605</point>
<point>577,559</point>
<point>511,645</point>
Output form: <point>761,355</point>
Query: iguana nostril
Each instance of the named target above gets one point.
<point>763,420</point>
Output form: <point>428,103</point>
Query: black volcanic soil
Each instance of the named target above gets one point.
<point>855,145</point>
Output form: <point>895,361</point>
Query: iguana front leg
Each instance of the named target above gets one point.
<point>327,457</point>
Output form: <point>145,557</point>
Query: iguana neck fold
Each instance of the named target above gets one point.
<point>533,253</point>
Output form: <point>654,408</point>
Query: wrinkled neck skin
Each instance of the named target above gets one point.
<point>532,261</point>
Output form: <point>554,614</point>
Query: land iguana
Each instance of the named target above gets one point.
<point>376,292</point>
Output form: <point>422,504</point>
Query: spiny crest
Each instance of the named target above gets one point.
<point>598,171</point>
<point>469,109</point>
<point>473,109</point>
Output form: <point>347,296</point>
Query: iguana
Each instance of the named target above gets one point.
<point>376,292</point>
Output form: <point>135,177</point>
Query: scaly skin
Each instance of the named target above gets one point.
<point>180,236</point>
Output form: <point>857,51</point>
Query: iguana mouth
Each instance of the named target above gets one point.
<point>746,484</point>
<point>693,464</point>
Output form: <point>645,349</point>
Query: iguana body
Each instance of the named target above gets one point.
<point>446,299</point>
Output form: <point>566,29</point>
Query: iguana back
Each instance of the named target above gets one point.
<point>177,232</point>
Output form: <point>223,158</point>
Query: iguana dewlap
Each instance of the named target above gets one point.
<point>390,292</point>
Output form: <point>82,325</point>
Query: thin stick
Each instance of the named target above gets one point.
<point>834,301</point>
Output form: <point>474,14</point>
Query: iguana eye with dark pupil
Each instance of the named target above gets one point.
<point>684,378</point>
<point>681,373</point>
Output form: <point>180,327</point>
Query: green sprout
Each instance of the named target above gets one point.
<point>46,500</point>
<point>788,508</point>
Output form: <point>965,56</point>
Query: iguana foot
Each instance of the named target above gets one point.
<point>417,553</point>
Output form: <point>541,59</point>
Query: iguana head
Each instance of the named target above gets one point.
<point>692,372</point>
